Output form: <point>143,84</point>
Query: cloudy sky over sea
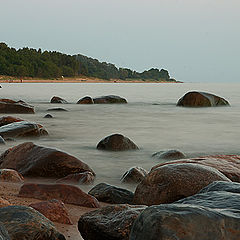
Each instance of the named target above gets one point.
<point>197,41</point>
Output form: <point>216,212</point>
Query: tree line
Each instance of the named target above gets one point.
<point>29,62</point>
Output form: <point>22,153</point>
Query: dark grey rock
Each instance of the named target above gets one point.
<point>109,99</point>
<point>48,116</point>
<point>57,110</point>
<point>169,155</point>
<point>2,141</point>
<point>3,233</point>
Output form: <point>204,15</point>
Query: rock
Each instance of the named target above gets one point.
<point>9,119</point>
<point>183,221</point>
<point>134,175</point>
<point>85,100</point>
<point>109,99</point>
<point>4,203</point>
<point>78,178</point>
<point>54,210</point>
<point>58,100</point>
<point>116,142</point>
<point>48,116</point>
<point>169,154</point>
<point>10,106</point>
<point>111,222</point>
<point>10,175</point>
<point>201,99</point>
<point>2,141</point>
<point>229,165</point>
<point>66,193</point>
<point>57,110</point>
<point>172,182</point>
<point>3,233</point>
<point>110,194</point>
<point>36,161</point>
<point>22,129</point>
<point>26,223</point>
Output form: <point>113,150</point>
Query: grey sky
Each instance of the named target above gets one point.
<point>196,40</point>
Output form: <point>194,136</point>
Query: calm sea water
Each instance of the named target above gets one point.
<point>151,119</point>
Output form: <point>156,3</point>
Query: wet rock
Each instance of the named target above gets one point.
<point>172,182</point>
<point>57,110</point>
<point>134,175</point>
<point>229,165</point>
<point>36,161</point>
<point>3,233</point>
<point>10,175</point>
<point>10,106</point>
<point>169,154</point>
<point>66,193</point>
<point>9,119</point>
<point>26,223</point>
<point>201,99</point>
<point>109,99</point>
<point>111,222</point>
<point>22,129</point>
<point>2,141</point>
<point>78,178</point>
<point>85,100</point>
<point>116,142</point>
<point>4,203</point>
<point>110,194</point>
<point>54,210</point>
<point>48,116</point>
<point>56,99</point>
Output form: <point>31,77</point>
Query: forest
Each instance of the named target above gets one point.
<point>29,62</point>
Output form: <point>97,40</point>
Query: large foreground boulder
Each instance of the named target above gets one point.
<point>109,223</point>
<point>66,193</point>
<point>109,99</point>
<point>33,160</point>
<point>56,99</point>
<point>116,142</point>
<point>10,106</point>
<point>172,182</point>
<point>25,223</point>
<point>201,99</point>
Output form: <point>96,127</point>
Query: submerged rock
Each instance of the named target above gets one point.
<point>10,106</point>
<point>56,99</point>
<point>85,100</point>
<point>169,154</point>
<point>57,110</point>
<point>109,99</point>
<point>134,175</point>
<point>48,116</point>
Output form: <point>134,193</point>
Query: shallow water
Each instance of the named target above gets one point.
<point>151,119</point>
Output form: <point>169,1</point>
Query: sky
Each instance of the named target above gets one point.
<point>195,40</point>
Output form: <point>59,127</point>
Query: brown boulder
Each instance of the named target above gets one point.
<point>10,175</point>
<point>134,175</point>
<point>66,193</point>
<point>109,99</point>
<point>172,182</point>
<point>4,203</point>
<point>78,178</point>
<point>10,106</point>
<point>56,99</point>
<point>85,100</point>
<point>54,210</point>
<point>33,160</point>
<point>169,154</point>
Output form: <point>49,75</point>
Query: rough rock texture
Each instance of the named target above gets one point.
<point>56,99</point>
<point>201,99</point>
<point>9,119</point>
<point>172,182</point>
<point>32,160</point>
<point>54,210</point>
<point>66,193</point>
<point>229,165</point>
<point>4,203</point>
<point>57,110</point>
<point>109,223</point>
<point>169,154</point>
<point>10,175</point>
<point>22,129</point>
<point>85,100</point>
<point>109,99</point>
<point>78,178</point>
<point>107,193</point>
<point>10,106</point>
<point>134,175</point>
<point>116,142</point>
<point>3,233</point>
<point>25,223</point>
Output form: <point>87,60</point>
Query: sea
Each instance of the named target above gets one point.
<point>151,120</point>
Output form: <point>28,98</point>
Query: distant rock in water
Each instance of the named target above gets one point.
<point>56,99</point>
<point>109,99</point>
<point>10,106</point>
<point>57,110</point>
<point>85,100</point>
<point>134,175</point>
<point>201,99</point>
<point>48,116</point>
<point>9,119</point>
<point>169,154</point>
<point>116,142</point>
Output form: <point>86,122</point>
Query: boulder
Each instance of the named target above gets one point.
<point>54,210</point>
<point>229,165</point>
<point>9,119</point>
<point>78,178</point>
<point>85,100</point>
<point>57,100</point>
<point>66,193</point>
<point>26,223</point>
<point>36,161</point>
<point>134,175</point>
<point>57,110</point>
<point>10,175</point>
<point>10,106</point>
<point>169,154</point>
<point>201,99</point>
<point>48,116</point>
<point>109,99</point>
<point>22,129</point>
<point>116,142</point>
<point>111,222</point>
<point>4,203</point>
<point>110,194</point>
<point>172,182</point>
